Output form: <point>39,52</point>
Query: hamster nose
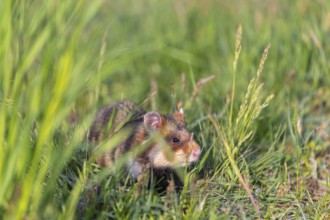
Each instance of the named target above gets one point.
<point>196,153</point>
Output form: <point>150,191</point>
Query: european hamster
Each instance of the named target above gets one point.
<point>181,148</point>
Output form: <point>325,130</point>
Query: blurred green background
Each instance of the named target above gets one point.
<point>61,61</point>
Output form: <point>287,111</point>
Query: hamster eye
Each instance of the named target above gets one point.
<point>176,140</point>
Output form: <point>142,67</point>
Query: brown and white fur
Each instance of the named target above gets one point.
<point>179,149</point>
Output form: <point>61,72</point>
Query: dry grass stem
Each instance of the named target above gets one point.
<point>200,83</point>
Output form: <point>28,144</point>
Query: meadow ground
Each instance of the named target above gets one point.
<point>252,76</point>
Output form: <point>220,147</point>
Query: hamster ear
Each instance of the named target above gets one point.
<point>152,120</point>
<point>179,116</point>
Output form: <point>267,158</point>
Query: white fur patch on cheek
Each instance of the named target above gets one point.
<point>134,167</point>
<point>157,157</point>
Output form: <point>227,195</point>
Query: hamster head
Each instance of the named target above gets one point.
<point>177,147</point>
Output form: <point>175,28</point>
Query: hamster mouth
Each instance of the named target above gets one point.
<point>194,156</point>
<point>189,160</point>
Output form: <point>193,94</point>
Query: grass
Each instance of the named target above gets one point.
<point>260,113</point>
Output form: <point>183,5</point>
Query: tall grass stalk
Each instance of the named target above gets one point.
<point>42,76</point>
<point>238,48</point>
<point>243,128</point>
